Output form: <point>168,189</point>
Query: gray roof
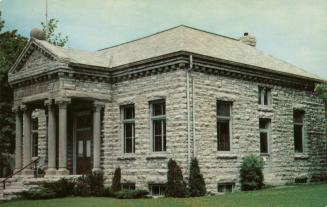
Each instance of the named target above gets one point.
<point>181,38</point>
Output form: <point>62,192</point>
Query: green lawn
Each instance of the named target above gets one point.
<point>303,195</point>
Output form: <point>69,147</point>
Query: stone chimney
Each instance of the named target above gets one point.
<point>248,39</point>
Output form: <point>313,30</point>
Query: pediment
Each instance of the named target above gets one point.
<point>33,58</point>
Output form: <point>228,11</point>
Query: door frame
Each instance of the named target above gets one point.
<point>76,114</point>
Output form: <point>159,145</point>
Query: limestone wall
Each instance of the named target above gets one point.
<point>145,167</point>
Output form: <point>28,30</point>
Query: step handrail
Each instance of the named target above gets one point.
<point>20,170</point>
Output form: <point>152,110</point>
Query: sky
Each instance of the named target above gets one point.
<point>292,30</point>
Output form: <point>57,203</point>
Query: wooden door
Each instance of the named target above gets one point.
<point>83,133</point>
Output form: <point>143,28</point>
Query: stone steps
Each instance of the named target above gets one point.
<point>15,186</point>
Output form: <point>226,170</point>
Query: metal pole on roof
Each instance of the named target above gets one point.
<point>46,19</point>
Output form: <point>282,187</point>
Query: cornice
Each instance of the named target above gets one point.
<point>167,63</point>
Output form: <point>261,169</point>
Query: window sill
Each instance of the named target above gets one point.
<point>127,157</point>
<point>157,156</point>
<point>301,156</point>
<point>265,154</point>
<point>265,108</point>
<point>226,155</point>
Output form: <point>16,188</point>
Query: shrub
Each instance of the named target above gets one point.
<point>107,192</point>
<point>176,186</point>
<point>82,187</point>
<point>301,179</point>
<point>61,188</point>
<point>131,194</point>
<point>251,173</point>
<point>95,181</point>
<point>116,184</point>
<point>197,186</point>
<point>38,193</point>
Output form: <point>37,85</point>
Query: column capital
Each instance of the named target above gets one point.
<point>16,109</point>
<point>62,102</point>
<point>24,107</point>
<point>98,105</point>
<point>48,102</point>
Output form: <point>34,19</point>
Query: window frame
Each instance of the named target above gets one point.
<point>268,132</point>
<point>223,185</point>
<point>124,122</point>
<point>35,137</point>
<point>162,189</point>
<point>302,124</point>
<point>262,93</point>
<point>223,119</point>
<point>128,186</point>
<point>162,118</point>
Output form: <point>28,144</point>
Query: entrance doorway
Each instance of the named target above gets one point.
<point>83,142</point>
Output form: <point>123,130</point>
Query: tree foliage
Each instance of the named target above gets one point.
<point>321,89</point>
<point>197,186</point>
<point>176,186</point>
<point>11,45</point>
<point>51,36</point>
<point>252,173</point>
<point>116,181</point>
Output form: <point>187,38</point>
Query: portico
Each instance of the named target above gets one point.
<point>73,136</point>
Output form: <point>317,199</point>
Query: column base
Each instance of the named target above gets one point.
<point>27,173</point>
<point>50,172</point>
<point>96,170</point>
<point>62,171</point>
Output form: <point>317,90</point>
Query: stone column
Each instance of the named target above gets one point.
<point>97,135</point>
<point>18,144</point>
<point>51,139</point>
<point>62,103</point>
<point>27,140</point>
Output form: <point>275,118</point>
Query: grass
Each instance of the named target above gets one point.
<point>314,195</point>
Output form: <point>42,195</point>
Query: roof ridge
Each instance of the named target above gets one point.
<point>165,30</point>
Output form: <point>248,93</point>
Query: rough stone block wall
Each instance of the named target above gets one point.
<point>145,166</point>
<point>283,165</point>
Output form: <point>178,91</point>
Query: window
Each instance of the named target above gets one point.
<point>225,187</point>
<point>129,128</point>
<point>223,125</point>
<point>158,119</point>
<point>35,137</point>
<point>264,96</point>
<point>298,120</point>
<point>157,189</point>
<point>128,186</point>
<point>264,127</point>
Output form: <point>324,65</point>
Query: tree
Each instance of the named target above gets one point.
<point>176,186</point>
<point>116,185</point>
<point>321,89</point>
<point>252,173</point>
<point>197,186</point>
<point>51,36</point>
<point>11,45</point>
